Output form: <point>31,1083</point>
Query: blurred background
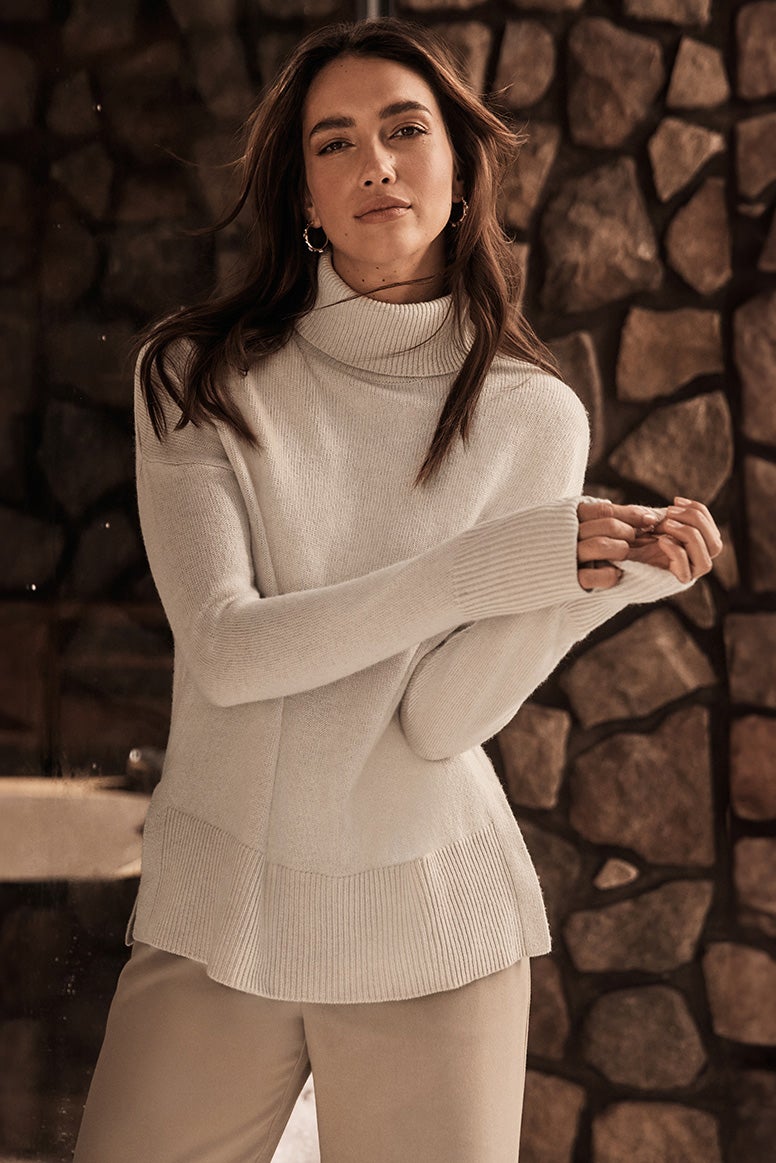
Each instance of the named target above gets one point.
<point>643,773</point>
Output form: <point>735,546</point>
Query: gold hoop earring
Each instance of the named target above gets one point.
<point>464,211</point>
<point>306,236</point>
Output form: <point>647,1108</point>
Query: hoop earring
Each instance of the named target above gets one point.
<point>306,236</point>
<point>464,211</point>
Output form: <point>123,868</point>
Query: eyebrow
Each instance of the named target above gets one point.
<point>391,110</point>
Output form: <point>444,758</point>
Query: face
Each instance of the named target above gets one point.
<point>380,169</point>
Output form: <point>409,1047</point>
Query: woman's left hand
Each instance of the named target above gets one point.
<point>683,541</point>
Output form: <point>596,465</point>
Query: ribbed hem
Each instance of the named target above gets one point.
<point>383,934</point>
<point>640,583</point>
<point>524,561</point>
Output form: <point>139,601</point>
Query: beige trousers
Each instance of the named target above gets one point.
<point>193,1071</point>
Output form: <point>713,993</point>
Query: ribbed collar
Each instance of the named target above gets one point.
<point>396,339</point>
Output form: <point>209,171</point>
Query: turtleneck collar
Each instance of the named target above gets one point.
<point>396,339</point>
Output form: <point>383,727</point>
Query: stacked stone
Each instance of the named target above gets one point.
<point>643,772</point>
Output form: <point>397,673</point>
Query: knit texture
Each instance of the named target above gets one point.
<point>328,827</point>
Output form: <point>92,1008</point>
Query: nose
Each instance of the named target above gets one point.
<point>378,168</point>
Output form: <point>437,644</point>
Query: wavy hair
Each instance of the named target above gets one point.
<point>278,284</point>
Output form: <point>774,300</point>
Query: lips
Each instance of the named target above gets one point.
<point>384,204</point>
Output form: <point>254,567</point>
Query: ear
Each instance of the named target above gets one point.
<point>458,186</point>
<point>310,211</point>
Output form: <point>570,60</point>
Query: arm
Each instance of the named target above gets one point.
<point>243,647</point>
<point>466,688</point>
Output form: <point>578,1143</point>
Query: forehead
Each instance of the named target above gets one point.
<point>361,86</point>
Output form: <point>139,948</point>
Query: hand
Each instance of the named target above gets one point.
<point>607,533</point>
<point>684,541</point>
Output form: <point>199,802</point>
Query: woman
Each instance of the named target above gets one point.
<point>332,874</point>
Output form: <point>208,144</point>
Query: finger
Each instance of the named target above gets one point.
<point>606,577</point>
<point>700,518</point>
<point>637,516</point>
<point>602,549</point>
<point>679,563</point>
<point>607,527</point>
<point>694,545</point>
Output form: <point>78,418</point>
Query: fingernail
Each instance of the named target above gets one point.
<point>683,500</point>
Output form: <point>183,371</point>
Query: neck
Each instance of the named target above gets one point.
<point>419,281</point>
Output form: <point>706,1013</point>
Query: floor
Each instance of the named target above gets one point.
<point>300,1138</point>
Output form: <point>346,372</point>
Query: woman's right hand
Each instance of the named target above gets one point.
<point>606,534</point>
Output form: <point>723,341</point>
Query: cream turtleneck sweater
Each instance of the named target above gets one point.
<point>328,827</point>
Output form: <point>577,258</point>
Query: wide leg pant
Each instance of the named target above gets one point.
<point>193,1071</point>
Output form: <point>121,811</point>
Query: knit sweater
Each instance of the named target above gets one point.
<point>328,827</point>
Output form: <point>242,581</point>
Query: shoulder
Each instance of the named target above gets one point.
<point>524,393</point>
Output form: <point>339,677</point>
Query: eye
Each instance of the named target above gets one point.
<point>331,147</point>
<point>410,131</point>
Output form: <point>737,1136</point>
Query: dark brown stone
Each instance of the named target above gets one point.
<point>741,985</point>
<point>156,269</point>
<point>599,241</point>
<point>102,908</point>
<point>637,670</point>
<point>683,12</point>
<point>767,260</point>
<point>547,5</point>
<point>37,548</point>
<point>16,221</point>
<point>725,566</point>
<point>22,1071</point>
<point>522,186</point>
<point>69,260</point>
<point>472,40</point>
<point>558,867</point>
<point>577,360</point>
<point>18,88</point>
<point>678,151</point>
<point>94,357</point>
<point>760,480</point>
<point>272,50</point>
<point>615,77</point>
<point>286,9</point>
<point>30,982</point>
<point>551,1110</point>
<point>615,873</point>
<point>644,1038</point>
<point>698,80</point>
<point>26,10</point>
<point>153,198</point>
<point>549,1024</point>
<point>108,547</point>
<point>651,793</point>
<point>25,643</point>
<point>145,105</point>
<point>653,931</point>
<point>86,174</point>
<point>753,767</point>
<point>754,861</point>
<point>533,749</point>
<point>210,13</point>
<point>698,239</point>
<point>19,343</point>
<point>756,38</point>
<point>526,65</point>
<point>648,1132</point>
<point>750,640</point>
<point>82,455</point>
<point>220,73</point>
<point>755,155</point>
<point>662,350</point>
<point>697,603</point>
<point>682,450</point>
<point>71,111</point>
<point>754,340</point>
<point>754,1116</point>
<point>95,27</point>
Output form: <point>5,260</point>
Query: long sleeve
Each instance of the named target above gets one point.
<point>471,684</point>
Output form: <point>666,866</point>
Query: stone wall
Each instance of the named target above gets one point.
<point>643,206</point>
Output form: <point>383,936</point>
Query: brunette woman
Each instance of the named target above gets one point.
<point>360,489</point>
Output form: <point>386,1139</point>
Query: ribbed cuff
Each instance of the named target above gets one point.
<point>640,583</point>
<point>524,561</point>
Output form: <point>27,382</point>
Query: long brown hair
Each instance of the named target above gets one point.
<point>278,284</point>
